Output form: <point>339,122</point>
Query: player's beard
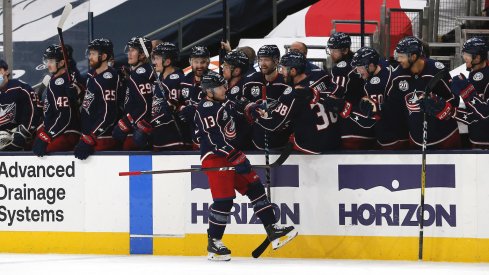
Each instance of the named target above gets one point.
<point>95,65</point>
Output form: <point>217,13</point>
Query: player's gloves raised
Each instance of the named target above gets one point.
<point>368,107</point>
<point>123,128</point>
<point>240,161</point>
<point>462,87</point>
<point>85,146</point>
<point>187,113</point>
<point>41,143</point>
<point>142,132</point>
<point>337,105</point>
<point>436,107</point>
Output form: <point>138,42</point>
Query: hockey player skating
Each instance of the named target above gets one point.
<point>215,121</point>
<point>99,109</point>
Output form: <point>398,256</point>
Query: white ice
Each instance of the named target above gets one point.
<point>19,264</point>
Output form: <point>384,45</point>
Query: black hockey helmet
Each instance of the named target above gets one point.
<point>200,51</point>
<point>410,45</point>
<point>269,51</point>
<point>364,57</point>
<point>339,40</point>
<point>212,80</point>
<point>294,60</point>
<point>167,50</point>
<point>134,43</point>
<point>476,46</point>
<point>102,45</point>
<point>53,52</point>
<point>237,59</point>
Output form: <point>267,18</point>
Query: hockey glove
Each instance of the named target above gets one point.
<point>123,128</point>
<point>240,105</point>
<point>187,113</point>
<point>368,107</point>
<point>239,161</point>
<point>462,87</point>
<point>41,143</point>
<point>436,107</point>
<point>85,146</point>
<point>20,137</point>
<point>142,132</point>
<point>337,105</point>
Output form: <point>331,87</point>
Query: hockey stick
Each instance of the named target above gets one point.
<point>261,248</point>
<point>222,52</point>
<point>280,160</point>
<point>62,19</point>
<point>160,85</point>
<point>429,87</point>
<point>265,141</point>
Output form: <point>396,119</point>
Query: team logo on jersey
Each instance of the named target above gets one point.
<point>255,91</point>
<point>230,130</point>
<point>288,90</point>
<point>156,106</point>
<point>59,81</point>
<point>403,85</point>
<point>208,104</point>
<point>375,80</point>
<point>439,65</point>
<point>185,92</point>
<point>412,103</point>
<point>107,75</point>
<point>140,70</point>
<point>174,76</point>
<point>342,64</point>
<point>87,101</point>
<point>478,76</point>
<point>234,90</point>
<point>224,115</point>
<point>7,113</point>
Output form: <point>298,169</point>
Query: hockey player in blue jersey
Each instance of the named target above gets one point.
<point>164,56</point>
<point>474,91</point>
<point>215,122</point>
<point>375,111</point>
<point>191,93</point>
<point>270,85</point>
<point>235,64</point>
<point>315,130</point>
<point>439,105</point>
<point>99,111</point>
<point>350,90</point>
<point>18,103</point>
<point>60,127</point>
<point>166,134</point>
<point>136,116</point>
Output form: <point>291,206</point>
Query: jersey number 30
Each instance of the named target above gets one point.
<point>325,118</point>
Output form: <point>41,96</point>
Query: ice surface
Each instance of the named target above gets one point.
<point>148,265</point>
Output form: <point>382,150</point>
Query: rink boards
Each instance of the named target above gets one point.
<point>357,206</point>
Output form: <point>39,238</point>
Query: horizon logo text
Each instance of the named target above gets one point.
<point>242,213</point>
<point>395,178</point>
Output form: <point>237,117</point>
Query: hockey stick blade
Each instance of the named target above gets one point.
<point>280,160</point>
<point>64,15</point>
<point>434,81</point>
<point>260,249</point>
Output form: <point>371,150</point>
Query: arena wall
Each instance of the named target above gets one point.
<point>345,206</point>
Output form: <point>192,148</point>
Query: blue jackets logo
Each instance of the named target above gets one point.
<point>395,178</point>
<point>242,213</point>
